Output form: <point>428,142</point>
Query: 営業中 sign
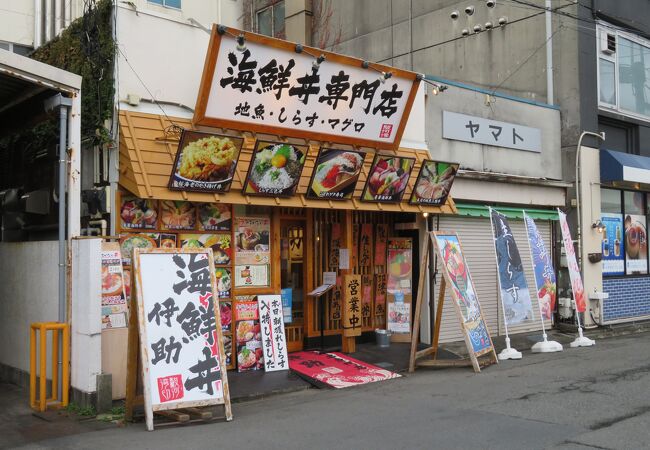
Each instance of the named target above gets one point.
<point>352,305</point>
<point>269,86</point>
<point>274,341</point>
<point>180,339</point>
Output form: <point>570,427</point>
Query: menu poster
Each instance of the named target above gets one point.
<point>137,213</point>
<point>335,174</point>
<point>205,162</point>
<point>252,240</point>
<point>177,215</point>
<point>249,337</point>
<point>251,276</point>
<point>400,265</point>
<point>613,244</point>
<point>114,301</point>
<point>388,178</point>
<point>275,169</point>
<point>399,318</point>
<point>636,245</point>
<point>274,341</point>
<point>434,183</point>
<point>215,217</point>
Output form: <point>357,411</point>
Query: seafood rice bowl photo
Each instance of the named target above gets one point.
<point>275,170</point>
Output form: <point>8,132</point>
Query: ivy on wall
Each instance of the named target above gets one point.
<point>87,48</point>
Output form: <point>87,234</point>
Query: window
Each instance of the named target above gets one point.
<point>625,240</point>
<point>270,20</point>
<point>23,50</point>
<point>623,72</point>
<point>168,3</point>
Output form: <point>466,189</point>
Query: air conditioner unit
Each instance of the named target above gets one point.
<point>607,43</point>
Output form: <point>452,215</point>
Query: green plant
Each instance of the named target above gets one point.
<point>85,411</point>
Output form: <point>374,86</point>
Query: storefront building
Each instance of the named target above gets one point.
<point>510,159</point>
<point>295,208</point>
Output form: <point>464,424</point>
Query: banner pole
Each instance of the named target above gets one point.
<point>508,352</point>
<point>545,346</point>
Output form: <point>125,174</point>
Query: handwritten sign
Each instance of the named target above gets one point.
<point>274,341</point>
<point>380,294</point>
<point>352,305</point>
<point>270,87</point>
<point>181,342</point>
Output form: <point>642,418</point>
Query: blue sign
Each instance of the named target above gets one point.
<point>613,244</point>
<point>287,300</point>
<point>515,296</point>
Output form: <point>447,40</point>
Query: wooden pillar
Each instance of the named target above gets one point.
<point>348,343</point>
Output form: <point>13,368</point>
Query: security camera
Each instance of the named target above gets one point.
<point>488,25</point>
<point>477,28</point>
<point>503,21</point>
<point>490,3</point>
<point>465,32</point>
<point>454,15</point>
<point>469,10</point>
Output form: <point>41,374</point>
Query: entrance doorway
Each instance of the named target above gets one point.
<point>293,278</point>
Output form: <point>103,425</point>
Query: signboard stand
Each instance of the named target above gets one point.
<point>139,364</point>
<point>416,358</point>
<point>318,294</point>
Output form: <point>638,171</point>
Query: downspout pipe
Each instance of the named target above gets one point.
<point>63,104</point>
<point>600,136</point>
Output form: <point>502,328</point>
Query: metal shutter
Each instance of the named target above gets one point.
<point>476,239</point>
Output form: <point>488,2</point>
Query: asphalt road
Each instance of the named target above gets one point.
<point>595,397</point>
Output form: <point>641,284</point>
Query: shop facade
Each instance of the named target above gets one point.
<point>291,238</point>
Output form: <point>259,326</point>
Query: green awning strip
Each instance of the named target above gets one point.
<point>468,209</point>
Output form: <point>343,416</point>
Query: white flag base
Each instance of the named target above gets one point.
<point>582,341</point>
<point>546,347</point>
<point>509,352</point>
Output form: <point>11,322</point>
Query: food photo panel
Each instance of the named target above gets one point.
<point>275,169</point>
<point>138,213</point>
<point>434,183</point>
<point>335,174</point>
<point>205,162</point>
<point>177,215</point>
<point>387,180</point>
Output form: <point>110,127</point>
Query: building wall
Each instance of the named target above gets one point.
<point>28,294</point>
<point>628,297</point>
<point>170,61</point>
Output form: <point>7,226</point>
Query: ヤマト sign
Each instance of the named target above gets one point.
<point>180,339</point>
<point>461,127</point>
<point>274,86</point>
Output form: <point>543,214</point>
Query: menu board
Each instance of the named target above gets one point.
<point>400,265</point>
<point>251,276</point>
<point>434,183</point>
<point>636,244</point>
<point>205,162</point>
<point>137,213</point>
<point>399,318</point>
<point>215,217</point>
<point>335,174</point>
<point>252,240</point>
<point>180,335</point>
<point>249,337</point>
<point>114,301</point>
<point>220,243</point>
<point>224,281</point>
<point>388,178</point>
<point>275,169</point>
<point>177,215</point>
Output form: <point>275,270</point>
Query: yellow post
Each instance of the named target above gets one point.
<point>42,368</point>
<point>55,365</point>
<point>66,365</point>
<point>32,366</point>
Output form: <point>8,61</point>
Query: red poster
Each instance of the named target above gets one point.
<point>365,246</point>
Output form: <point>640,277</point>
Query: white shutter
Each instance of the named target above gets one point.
<point>476,240</point>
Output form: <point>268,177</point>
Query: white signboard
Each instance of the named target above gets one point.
<point>271,86</point>
<point>461,127</point>
<point>274,341</point>
<point>181,348</point>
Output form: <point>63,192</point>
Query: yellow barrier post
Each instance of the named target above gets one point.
<point>38,353</point>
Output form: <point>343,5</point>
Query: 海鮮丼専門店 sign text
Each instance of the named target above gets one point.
<point>268,86</point>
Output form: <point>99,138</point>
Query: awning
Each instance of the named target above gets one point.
<point>468,209</point>
<point>147,154</point>
<point>617,166</point>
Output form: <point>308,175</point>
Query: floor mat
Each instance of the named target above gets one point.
<point>336,370</point>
